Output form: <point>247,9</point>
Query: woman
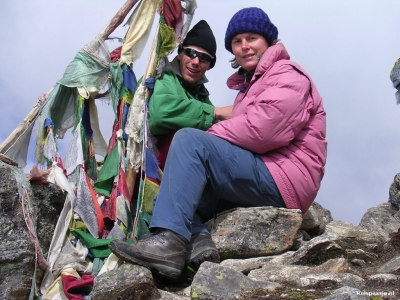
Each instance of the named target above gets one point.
<point>271,152</point>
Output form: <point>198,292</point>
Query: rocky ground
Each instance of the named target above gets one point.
<point>266,253</point>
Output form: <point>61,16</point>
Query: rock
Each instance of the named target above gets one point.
<point>128,282</point>
<point>50,202</point>
<point>341,239</point>
<point>302,237</point>
<point>346,293</point>
<point>392,266</point>
<point>171,296</point>
<point>213,281</point>
<point>253,232</point>
<point>315,219</point>
<point>332,273</point>
<point>267,253</point>
<point>246,265</point>
<point>381,221</point>
<point>394,192</point>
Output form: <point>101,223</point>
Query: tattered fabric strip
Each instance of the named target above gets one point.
<point>108,172</point>
<point>167,41</point>
<point>173,11</point>
<point>139,32</point>
<point>85,206</point>
<point>50,147</point>
<point>98,247</point>
<point>151,164</point>
<point>150,191</point>
<point>74,156</point>
<point>53,292</point>
<point>118,232</point>
<point>100,144</point>
<point>60,107</point>
<point>190,7</point>
<point>19,149</point>
<point>120,210</point>
<point>57,177</point>
<point>116,83</point>
<point>134,125</point>
<point>86,119</point>
<point>109,210</point>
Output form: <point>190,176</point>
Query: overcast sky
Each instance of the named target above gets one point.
<point>348,48</point>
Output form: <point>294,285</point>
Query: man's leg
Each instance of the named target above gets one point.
<point>205,174</point>
<point>200,168</point>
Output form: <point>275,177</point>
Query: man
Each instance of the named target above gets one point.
<point>180,98</point>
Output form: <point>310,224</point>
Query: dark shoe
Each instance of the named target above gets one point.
<point>163,252</point>
<point>200,249</point>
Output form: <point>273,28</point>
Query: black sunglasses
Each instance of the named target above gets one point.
<point>203,57</point>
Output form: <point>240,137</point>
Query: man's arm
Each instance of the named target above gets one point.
<point>171,108</point>
<point>223,113</point>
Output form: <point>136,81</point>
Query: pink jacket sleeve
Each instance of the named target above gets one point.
<point>270,114</point>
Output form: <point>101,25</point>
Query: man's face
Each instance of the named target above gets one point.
<point>192,69</point>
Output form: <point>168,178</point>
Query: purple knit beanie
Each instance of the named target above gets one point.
<point>251,19</point>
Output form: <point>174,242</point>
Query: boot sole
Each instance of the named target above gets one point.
<point>210,255</point>
<point>162,270</point>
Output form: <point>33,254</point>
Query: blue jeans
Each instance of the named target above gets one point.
<point>205,175</point>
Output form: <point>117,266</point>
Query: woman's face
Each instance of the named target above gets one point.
<point>248,48</point>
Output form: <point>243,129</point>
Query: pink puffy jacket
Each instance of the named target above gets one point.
<point>280,116</point>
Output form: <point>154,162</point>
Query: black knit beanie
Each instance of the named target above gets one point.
<point>202,36</point>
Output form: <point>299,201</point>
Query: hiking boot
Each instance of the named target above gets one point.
<point>163,252</point>
<point>200,249</point>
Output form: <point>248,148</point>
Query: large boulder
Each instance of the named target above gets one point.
<point>255,231</point>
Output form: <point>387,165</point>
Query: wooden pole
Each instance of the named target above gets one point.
<point>9,141</point>
<point>23,126</point>
<point>118,18</point>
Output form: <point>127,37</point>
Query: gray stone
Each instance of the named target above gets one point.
<point>323,276</point>
<point>128,282</point>
<point>213,281</point>
<point>246,265</point>
<point>346,293</point>
<point>392,266</point>
<point>341,239</point>
<point>394,192</point>
<point>315,219</point>
<point>253,232</point>
<point>380,221</point>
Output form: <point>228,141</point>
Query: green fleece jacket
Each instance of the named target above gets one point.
<point>173,105</point>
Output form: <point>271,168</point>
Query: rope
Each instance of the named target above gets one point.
<point>24,192</point>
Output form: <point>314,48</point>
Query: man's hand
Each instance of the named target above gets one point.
<point>223,113</point>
